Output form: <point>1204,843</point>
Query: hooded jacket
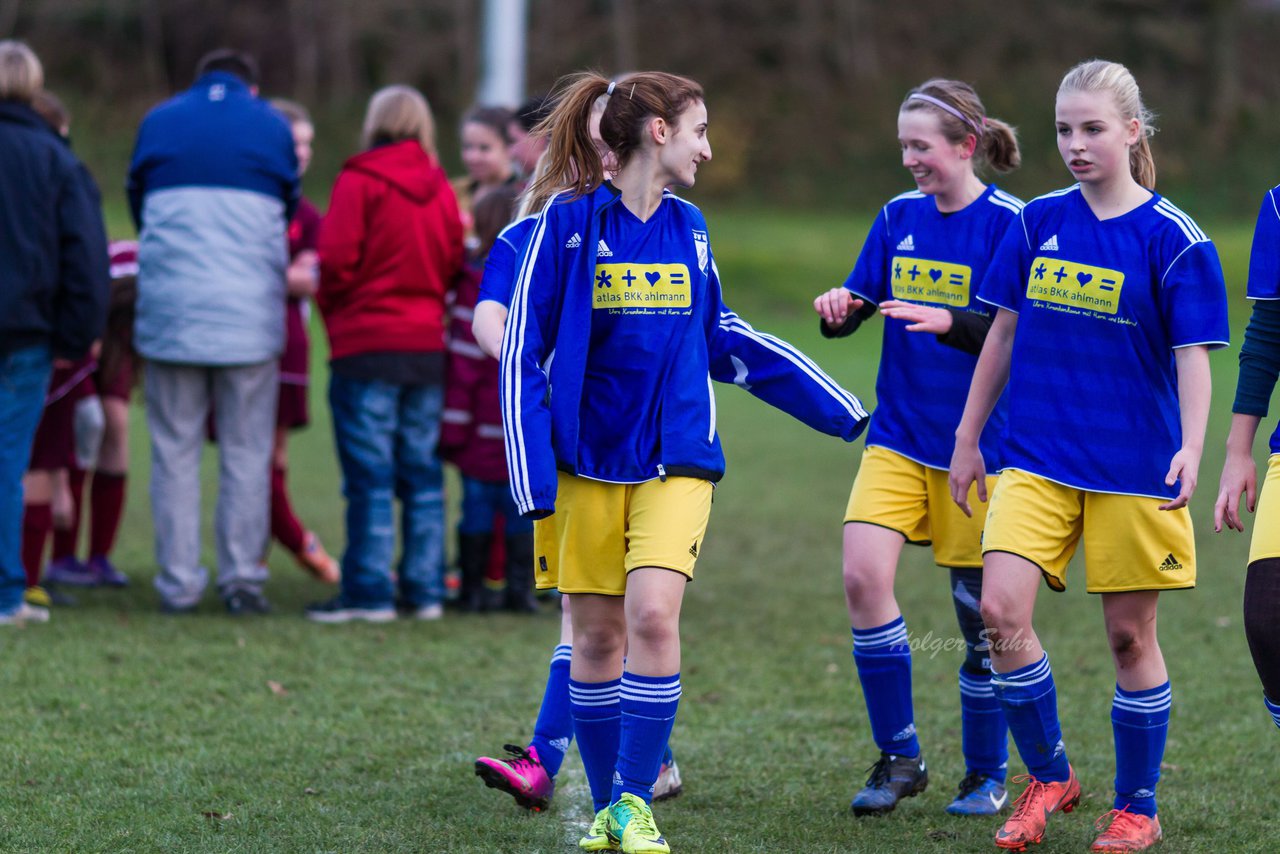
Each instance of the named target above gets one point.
<point>390,248</point>
<point>53,247</point>
<point>546,349</point>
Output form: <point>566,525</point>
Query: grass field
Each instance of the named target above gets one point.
<point>130,731</point>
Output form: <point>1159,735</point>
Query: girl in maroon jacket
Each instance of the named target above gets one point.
<point>472,436</point>
<point>390,248</point>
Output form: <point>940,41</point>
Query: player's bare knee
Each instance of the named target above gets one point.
<point>652,625</point>
<point>599,643</point>
<point>1126,645</point>
<point>863,582</point>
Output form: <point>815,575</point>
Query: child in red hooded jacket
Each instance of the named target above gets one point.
<point>390,249</point>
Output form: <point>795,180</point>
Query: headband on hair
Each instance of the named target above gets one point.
<point>945,107</point>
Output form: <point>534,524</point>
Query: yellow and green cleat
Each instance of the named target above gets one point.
<point>631,825</point>
<point>598,838</point>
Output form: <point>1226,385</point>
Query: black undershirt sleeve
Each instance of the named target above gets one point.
<point>968,331</point>
<point>1259,359</point>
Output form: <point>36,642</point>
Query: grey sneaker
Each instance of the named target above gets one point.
<point>23,614</point>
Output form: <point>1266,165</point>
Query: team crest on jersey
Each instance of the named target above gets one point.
<point>704,253</point>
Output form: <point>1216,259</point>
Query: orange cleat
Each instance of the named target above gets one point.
<point>1033,807</point>
<point>1128,831</point>
<point>315,560</point>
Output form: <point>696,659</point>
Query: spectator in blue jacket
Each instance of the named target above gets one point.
<point>212,187</point>
<point>53,289</point>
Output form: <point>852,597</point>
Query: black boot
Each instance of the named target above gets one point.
<point>520,574</point>
<point>473,558</point>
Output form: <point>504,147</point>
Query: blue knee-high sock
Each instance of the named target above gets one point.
<point>1273,709</point>
<point>597,719</point>
<point>554,729</point>
<point>883,658</point>
<point>648,710</point>
<point>1031,707</point>
<point>984,735</point>
<point>1140,723</point>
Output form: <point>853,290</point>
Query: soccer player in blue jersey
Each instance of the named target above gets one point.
<point>1259,366</point>
<point>1109,299</point>
<point>921,264</point>
<point>528,773</point>
<point>616,330</point>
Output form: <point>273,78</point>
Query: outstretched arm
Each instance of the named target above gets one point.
<point>782,376</point>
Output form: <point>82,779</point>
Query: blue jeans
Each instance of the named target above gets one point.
<point>481,500</point>
<point>386,436</point>
<point>24,381</point>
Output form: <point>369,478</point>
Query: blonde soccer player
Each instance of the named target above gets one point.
<point>1109,298</point>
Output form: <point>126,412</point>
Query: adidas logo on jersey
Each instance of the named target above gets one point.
<point>908,244</point>
<point>1050,245</point>
<point>573,242</point>
<point>603,250</point>
<point>1170,564</point>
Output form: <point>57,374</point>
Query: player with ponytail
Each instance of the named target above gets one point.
<point>616,435</point>
<point>921,265</point>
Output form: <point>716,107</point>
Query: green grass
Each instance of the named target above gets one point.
<point>124,727</point>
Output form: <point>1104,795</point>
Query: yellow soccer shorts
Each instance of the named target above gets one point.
<point>1266,525</point>
<point>546,553</point>
<point>900,494</point>
<point>605,530</point>
<point>1129,543</point>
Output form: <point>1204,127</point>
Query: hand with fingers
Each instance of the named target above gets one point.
<point>1239,476</point>
<point>835,306</point>
<point>967,468</point>
<point>1184,467</point>
<point>922,318</point>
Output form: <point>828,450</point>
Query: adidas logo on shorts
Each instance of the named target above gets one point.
<point>573,242</point>
<point>1170,564</point>
<point>1050,245</point>
<point>693,549</point>
<point>908,244</point>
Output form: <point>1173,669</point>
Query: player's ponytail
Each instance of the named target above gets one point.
<point>999,146</point>
<point>960,115</point>
<point>629,103</point>
<point>1097,75</point>
<point>571,159</point>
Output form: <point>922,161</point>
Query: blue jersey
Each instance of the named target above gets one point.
<point>617,329</point>
<point>1093,391</point>
<point>500,265</point>
<point>917,254</point>
<point>1264,265</point>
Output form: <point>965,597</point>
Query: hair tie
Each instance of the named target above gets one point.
<point>613,84</point>
<point>947,108</point>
